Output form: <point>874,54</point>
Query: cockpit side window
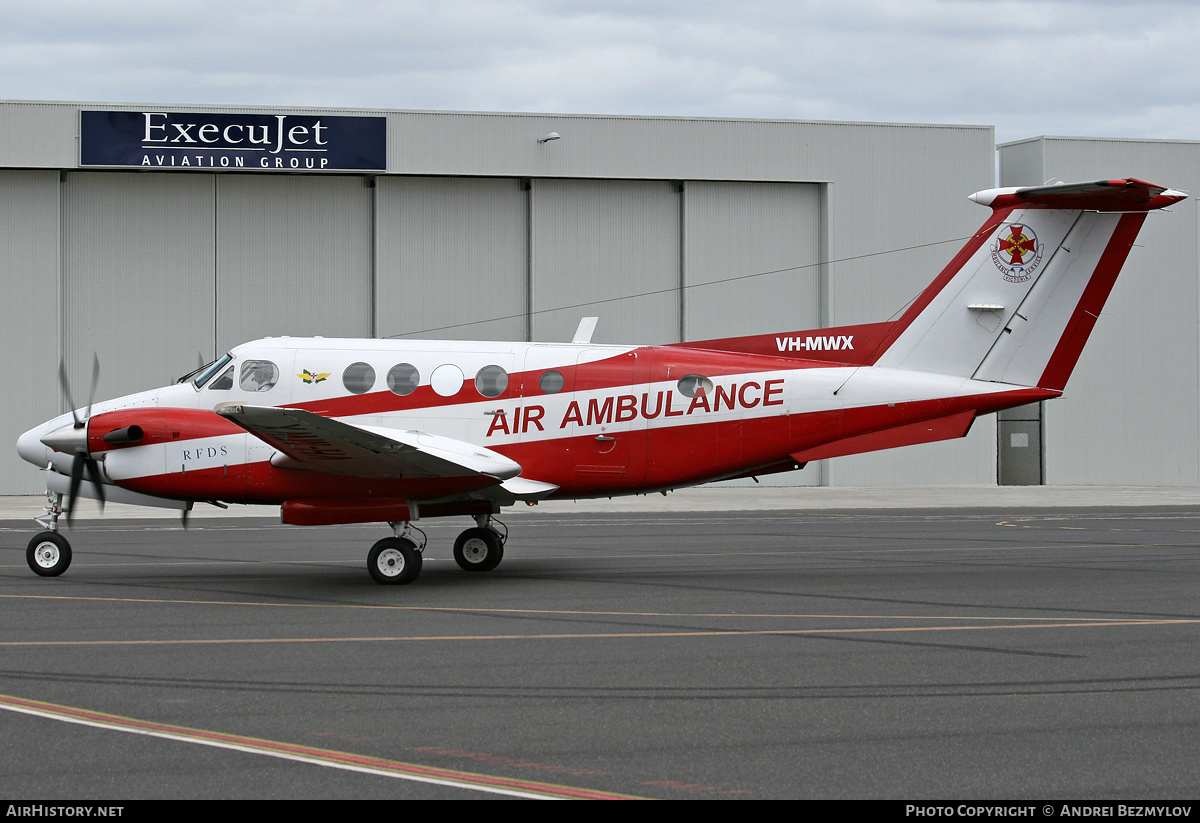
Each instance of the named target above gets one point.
<point>258,375</point>
<point>224,382</point>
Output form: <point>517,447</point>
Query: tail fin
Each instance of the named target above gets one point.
<point>1017,304</point>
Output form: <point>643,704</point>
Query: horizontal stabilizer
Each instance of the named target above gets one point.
<point>1130,194</point>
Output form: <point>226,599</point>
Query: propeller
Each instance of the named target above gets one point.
<point>75,441</point>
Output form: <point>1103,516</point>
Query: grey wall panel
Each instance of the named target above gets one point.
<point>39,135</point>
<point>734,234</point>
<point>896,217</point>
<point>673,148</point>
<point>1023,163</point>
<point>29,317</point>
<point>899,216</point>
<point>452,258</point>
<point>596,240</point>
<point>1131,411</point>
<point>293,257</point>
<point>137,278</point>
<point>970,461</point>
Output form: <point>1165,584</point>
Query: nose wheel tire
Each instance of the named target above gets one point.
<point>48,554</point>
<point>478,550</point>
<point>394,561</point>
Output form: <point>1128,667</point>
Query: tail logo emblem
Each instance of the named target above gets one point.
<point>1018,255</point>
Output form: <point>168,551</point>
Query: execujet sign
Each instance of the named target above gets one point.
<point>251,142</point>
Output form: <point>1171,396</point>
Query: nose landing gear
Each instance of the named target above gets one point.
<point>49,553</point>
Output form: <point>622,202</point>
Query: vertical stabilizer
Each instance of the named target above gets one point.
<point>1017,304</point>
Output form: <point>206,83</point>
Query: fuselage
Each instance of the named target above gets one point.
<point>591,420</point>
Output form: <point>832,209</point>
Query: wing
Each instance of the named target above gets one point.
<point>309,441</point>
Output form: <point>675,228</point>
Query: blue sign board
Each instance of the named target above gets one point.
<point>201,141</point>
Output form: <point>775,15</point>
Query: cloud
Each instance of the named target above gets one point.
<point>1032,67</point>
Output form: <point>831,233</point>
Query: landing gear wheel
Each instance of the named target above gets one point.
<point>478,550</point>
<point>394,561</point>
<point>48,554</point>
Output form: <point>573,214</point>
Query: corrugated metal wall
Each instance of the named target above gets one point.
<point>751,255</point>
<point>293,257</point>
<point>606,240</point>
<point>29,315</point>
<point>1131,413</point>
<point>452,258</point>
<point>137,278</point>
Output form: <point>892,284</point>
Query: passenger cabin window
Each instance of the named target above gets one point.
<point>446,379</point>
<point>551,382</point>
<point>258,375</point>
<point>491,381</point>
<point>224,382</point>
<point>692,383</point>
<point>403,379</point>
<point>358,378</point>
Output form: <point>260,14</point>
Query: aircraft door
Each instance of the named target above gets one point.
<point>609,391</point>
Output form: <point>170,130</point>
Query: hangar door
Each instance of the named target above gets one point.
<point>293,257</point>
<point>608,248</point>
<point>451,258</point>
<point>138,278</point>
<point>750,258</point>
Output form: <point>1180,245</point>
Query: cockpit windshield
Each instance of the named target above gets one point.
<point>203,374</point>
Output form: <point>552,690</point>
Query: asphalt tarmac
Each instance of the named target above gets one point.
<point>907,654</point>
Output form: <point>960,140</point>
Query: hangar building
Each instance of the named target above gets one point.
<point>156,237</point>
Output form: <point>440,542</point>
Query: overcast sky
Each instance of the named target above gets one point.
<point>1094,68</point>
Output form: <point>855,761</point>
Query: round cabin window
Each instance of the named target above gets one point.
<point>403,379</point>
<point>491,381</point>
<point>358,378</point>
<point>446,380</point>
<point>551,382</point>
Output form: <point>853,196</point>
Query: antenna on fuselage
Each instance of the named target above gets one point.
<point>583,334</point>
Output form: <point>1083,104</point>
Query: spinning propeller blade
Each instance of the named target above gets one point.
<point>83,462</point>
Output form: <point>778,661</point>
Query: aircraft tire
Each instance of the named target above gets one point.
<point>49,554</point>
<point>478,550</point>
<point>394,561</point>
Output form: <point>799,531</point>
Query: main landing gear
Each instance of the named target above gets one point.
<point>396,560</point>
<point>49,553</point>
<point>482,548</point>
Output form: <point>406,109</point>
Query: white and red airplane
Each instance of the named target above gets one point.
<point>393,431</point>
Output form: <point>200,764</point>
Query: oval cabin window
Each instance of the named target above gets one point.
<point>551,382</point>
<point>690,384</point>
<point>491,381</point>
<point>403,379</point>
<point>358,378</point>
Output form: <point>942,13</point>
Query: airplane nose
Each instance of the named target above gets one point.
<point>31,448</point>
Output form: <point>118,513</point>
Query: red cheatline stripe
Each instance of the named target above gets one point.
<point>310,754</point>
